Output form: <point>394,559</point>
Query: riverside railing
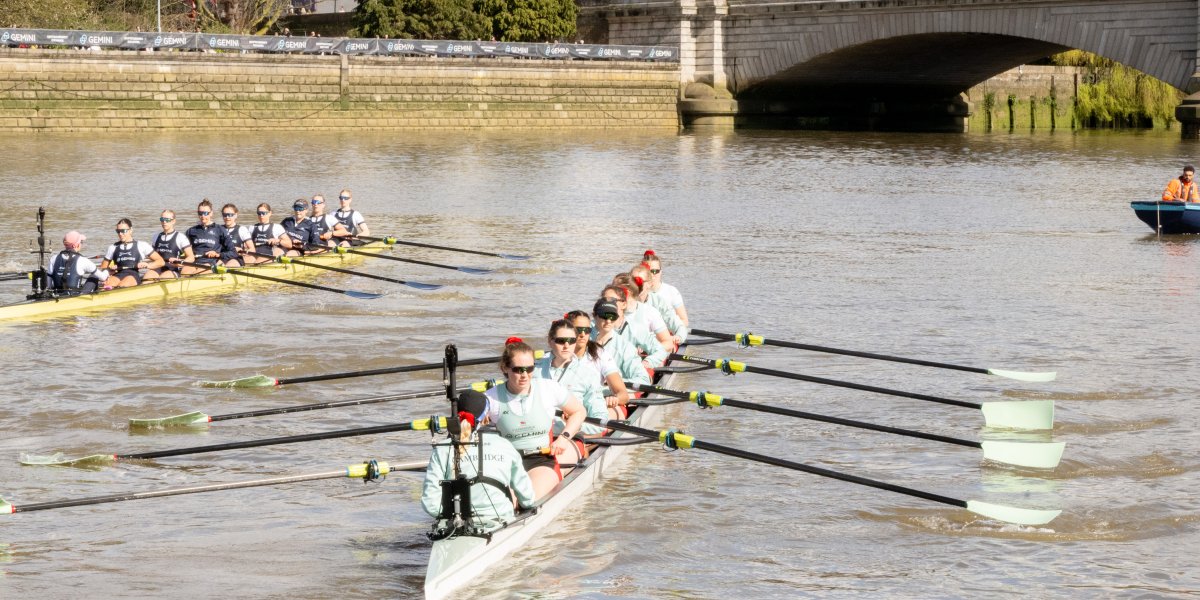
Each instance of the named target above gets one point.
<point>279,44</point>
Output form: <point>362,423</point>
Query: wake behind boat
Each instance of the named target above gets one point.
<point>1169,218</point>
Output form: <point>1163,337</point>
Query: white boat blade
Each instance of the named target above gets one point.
<point>59,460</point>
<point>192,418</point>
<point>1038,455</point>
<point>1041,377</point>
<point>1012,514</point>
<point>1028,414</point>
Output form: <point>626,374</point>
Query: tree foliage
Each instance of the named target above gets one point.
<point>530,20</point>
<point>255,17</point>
<point>235,16</point>
<point>1113,95</point>
<point>420,19</point>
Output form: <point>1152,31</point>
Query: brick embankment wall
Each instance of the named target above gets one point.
<point>1043,98</point>
<point>72,90</point>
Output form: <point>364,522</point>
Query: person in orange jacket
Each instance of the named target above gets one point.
<point>1182,188</point>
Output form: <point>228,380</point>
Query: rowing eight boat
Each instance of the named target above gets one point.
<point>453,559</point>
<point>183,287</point>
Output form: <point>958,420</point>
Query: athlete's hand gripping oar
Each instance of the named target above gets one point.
<point>367,471</point>
<point>264,381</point>
<point>674,439</point>
<point>199,418</point>
<point>345,250</point>
<point>60,461</point>
<point>1029,414</point>
<point>749,339</point>
<point>1038,455</point>
<point>221,270</point>
<point>288,260</point>
<point>391,241</point>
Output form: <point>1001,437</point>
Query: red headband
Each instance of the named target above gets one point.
<point>638,280</point>
<point>646,264</point>
<point>648,253</point>
<point>466,416</point>
<point>513,340</point>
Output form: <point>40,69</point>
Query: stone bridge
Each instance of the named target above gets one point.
<point>888,64</point>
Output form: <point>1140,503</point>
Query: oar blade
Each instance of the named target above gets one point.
<point>1031,377</point>
<point>422,286</point>
<point>59,460</point>
<point>184,420</point>
<point>1036,455</point>
<point>1012,514</point>
<point>512,256</point>
<point>362,295</point>
<point>245,382</point>
<point>5,507</point>
<point>473,270</point>
<point>1029,414</point>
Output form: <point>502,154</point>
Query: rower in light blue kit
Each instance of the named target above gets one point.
<point>561,365</point>
<point>503,476</point>
<point>667,294</point>
<point>616,346</point>
<point>612,384</point>
<point>640,337</point>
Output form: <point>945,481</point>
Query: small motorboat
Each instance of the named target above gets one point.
<point>1169,217</point>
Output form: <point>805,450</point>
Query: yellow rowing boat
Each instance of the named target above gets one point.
<point>181,288</point>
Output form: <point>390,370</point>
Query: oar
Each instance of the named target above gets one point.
<point>1038,455</point>
<point>264,381</point>
<point>198,418</point>
<point>749,339</point>
<point>391,241</point>
<point>58,460</point>
<point>366,471</point>
<point>1030,414</point>
<point>221,270</point>
<point>345,250</point>
<point>16,276</point>
<point>288,260</point>
<point>674,439</point>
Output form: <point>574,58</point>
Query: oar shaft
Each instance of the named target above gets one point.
<point>288,259</point>
<point>291,439</point>
<point>243,273</point>
<point>787,464</point>
<point>832,382</point>
<point>336,404</point>
<point>829,350</point>
<point>392,241</point>
<point>384,371</point>
<point>399,259</point>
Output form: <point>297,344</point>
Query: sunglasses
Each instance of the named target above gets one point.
<point>563,341</point>
<point>315,202</point>
<point>204,213</point>
<point>615,300</point>
<point>583,330</point>
<point>122,231</point>
<point>229,215</point>
<point>608,317</point>
<point>655,271</point>
<point>343,197</point>
<point>165,219</point>
<point>299,208</point>
<point>263,213</point>
<point>516,369</point>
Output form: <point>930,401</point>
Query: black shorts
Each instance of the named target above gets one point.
<point>123,273</point>
<point>533,461</point>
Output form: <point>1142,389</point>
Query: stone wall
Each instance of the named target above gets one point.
<point>70,90</point>
<point>1043,98</point>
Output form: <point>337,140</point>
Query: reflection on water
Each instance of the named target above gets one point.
<point>965,249</point>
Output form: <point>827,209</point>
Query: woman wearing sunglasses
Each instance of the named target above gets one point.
<point>657,306</point>
<point>523,411</point>
<point>127,257</point>
<point>267,237</point>
<point>668,293</point>
<point>640,336</point>
<point>298,228</point>
<point>616,396</point>
<point>238,234</point>
<point>642,317</point>
<point>617,346</point>
<point>579,377</point>
<point>172,245</point>
<point>210,242</point>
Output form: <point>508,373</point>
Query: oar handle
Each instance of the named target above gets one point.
<point>386,371</point>
<point>290,260</point>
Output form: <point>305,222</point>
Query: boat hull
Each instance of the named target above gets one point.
<point>1169,217</point>
<point>173,288</point>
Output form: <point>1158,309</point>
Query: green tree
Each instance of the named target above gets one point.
<point>48,14</point>
<point>420,19</point>
<point>1113,95</point>
<point>530,20</point>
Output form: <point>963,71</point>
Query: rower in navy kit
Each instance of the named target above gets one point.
<point>267,237</point>
<point>523,410</point>
<point>210,242</point>
<point>352,220</point>
<point>298,227</point>
<point>324,227</point>
<point>172,245</point>
<point>127,257</point>
<point>238,234</point>
<point>71,273</point>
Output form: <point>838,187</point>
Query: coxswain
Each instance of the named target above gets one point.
<point>210,242</point>
<point>616,395</point>
<point>668,293</point>
<point>523,410</point>
<point>267,237</point>
<point>654,352</point>
<point>298,227</point>
<point>1182,188</point>
<point>69,272</point>
<point>238,234</point>
<point>324,226</point>
<point>622,351</point>
<point>657,306</point>
<point>172,245</point>
<point>561,365</point>
<point>504,478</point>
<point>127,257</point>
<point>352,220</point>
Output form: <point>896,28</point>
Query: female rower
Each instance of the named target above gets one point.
<point>643,316</point>
<point>658,307</point>
<point>210,242</point>
<point>616,396</point>
<point>669,293</point>
<point>617,346</point>
<point>267,237</point>
<point>351,220</point>
<point>324,226</point>
<point>640,336</point>
<point>238,234</point>
<point>579,377</point>
<point>127,257</point>
<point>492,505</point>
<point>298,227</point>
<point>523,410</point>
<point>172,245</point>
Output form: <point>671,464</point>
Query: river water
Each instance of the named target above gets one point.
<point>1010,251</point>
